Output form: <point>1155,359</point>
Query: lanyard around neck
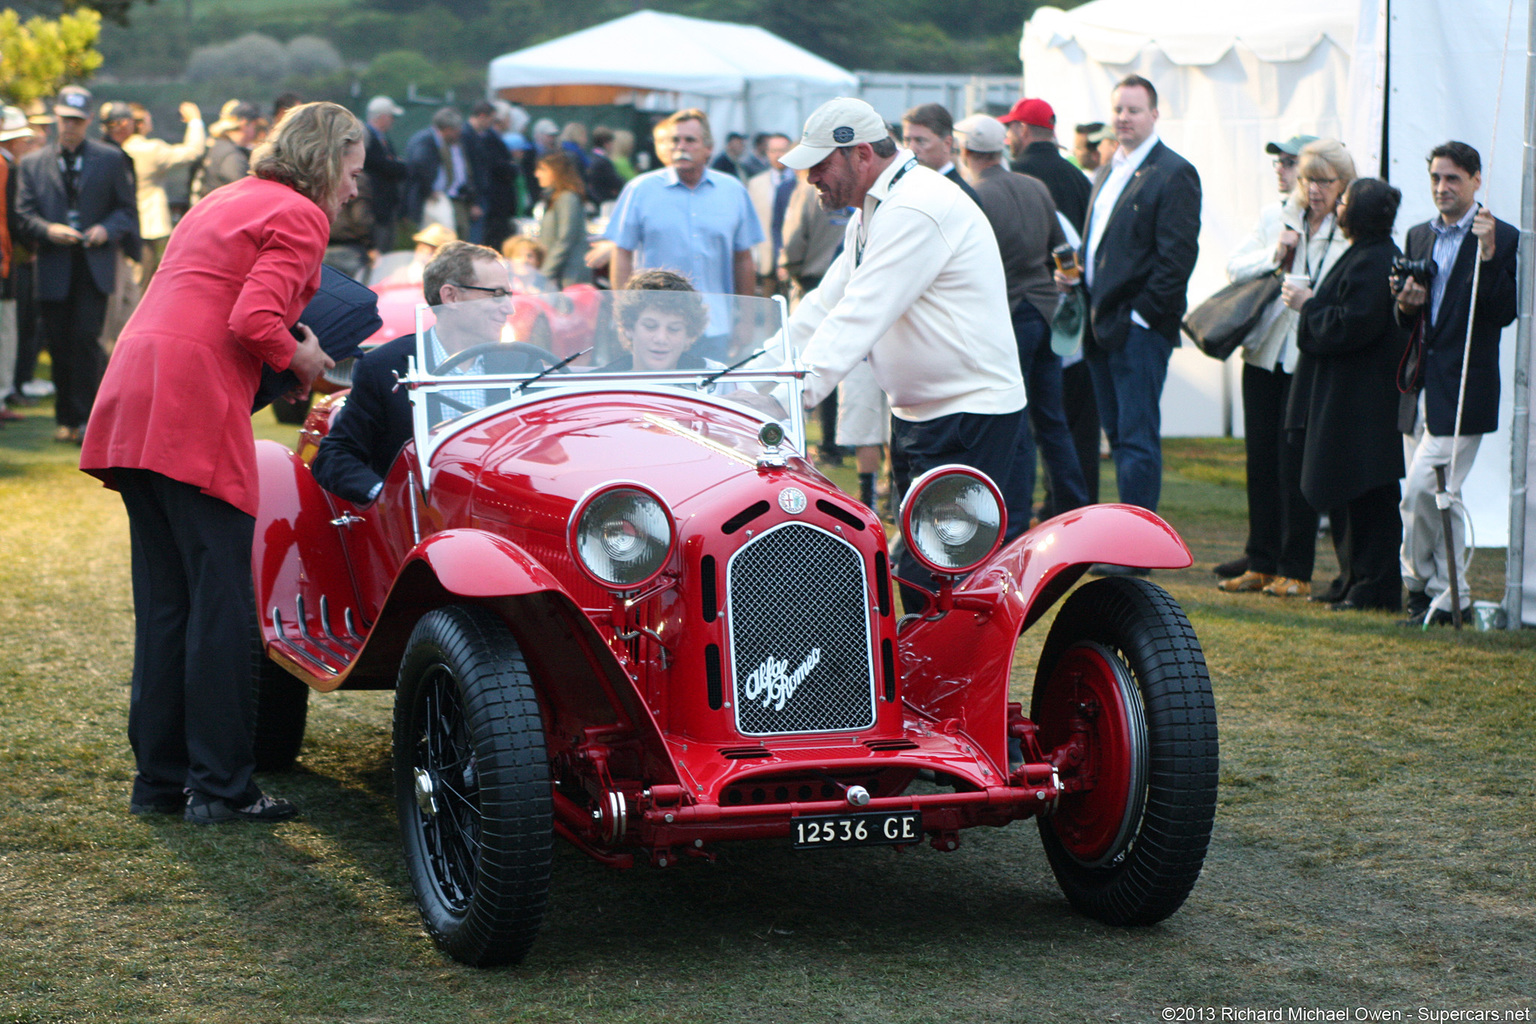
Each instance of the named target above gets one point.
<point>858,252</point>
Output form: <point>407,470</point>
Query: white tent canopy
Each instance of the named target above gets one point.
<point>745,78</point>
<point>1234,76</point>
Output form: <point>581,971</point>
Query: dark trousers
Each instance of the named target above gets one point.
<point>827,410</point>
<point>983,442</point>
<point>1044,427</point>
<point>72,329</point>
<point>1282,527</point>
<point>1128,383</point>
<point>1082,412</point>
<point>1367,536</point>
<point>191,715</point>
<point>29,335</point>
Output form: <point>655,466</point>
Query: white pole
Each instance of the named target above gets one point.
<point>1520,431</point>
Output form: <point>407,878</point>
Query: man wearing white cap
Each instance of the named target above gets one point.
<point>386,172</point>
<point>919,289</point>
<point>1023,217</point>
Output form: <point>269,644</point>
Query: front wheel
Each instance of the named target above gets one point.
<point>1123,705</point>
<point>472,786</point>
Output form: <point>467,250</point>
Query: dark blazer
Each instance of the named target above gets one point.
<point>1024,220</point>
<point>1068,185</point>
<point>372,427</point>
<point>226,161</point>
<point>1498,300</point>
<point>375,422</point>
<point>1344,393</point>
<point>386,173</point>
<point>106,198</point>
<point>1148,250</point>
<point>954,175</point>
<point>343,314</point>
<point>423,158</point>
<point>494,173</point>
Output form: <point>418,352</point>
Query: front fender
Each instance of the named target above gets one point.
<point>476,564</point>
<point>956,667</point>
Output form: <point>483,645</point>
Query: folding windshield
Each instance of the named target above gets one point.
<point>478,357</point>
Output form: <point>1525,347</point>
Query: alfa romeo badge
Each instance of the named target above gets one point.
<point>792,500</point>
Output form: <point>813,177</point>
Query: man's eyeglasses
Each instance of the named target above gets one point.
<point>495,293</point>
<point>1286,162</point>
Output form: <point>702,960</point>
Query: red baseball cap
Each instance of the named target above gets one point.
<point>1035,112</point>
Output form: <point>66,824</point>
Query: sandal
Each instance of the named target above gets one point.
<point>1284,586</point>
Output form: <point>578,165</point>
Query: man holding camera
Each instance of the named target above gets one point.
<point>1435,299</point>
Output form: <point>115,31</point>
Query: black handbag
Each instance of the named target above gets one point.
<point>1220,323</point>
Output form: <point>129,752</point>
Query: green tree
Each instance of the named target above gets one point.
<point>113,10</point>
<point>40,55</point>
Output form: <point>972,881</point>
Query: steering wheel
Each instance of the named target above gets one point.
<point>486,348</point>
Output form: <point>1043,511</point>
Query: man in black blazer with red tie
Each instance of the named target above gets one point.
<point>1139,247</point>
<point>76,204</point>
<point>1437,313</point>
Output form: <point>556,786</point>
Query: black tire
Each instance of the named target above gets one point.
<point>282,707</point>
<point>477,828</point>
<point>1129,850</point>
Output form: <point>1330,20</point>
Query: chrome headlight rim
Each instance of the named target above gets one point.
<point>912,502</point>
<point>578,516</point>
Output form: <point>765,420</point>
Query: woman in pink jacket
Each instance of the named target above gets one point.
<point>171,432</point>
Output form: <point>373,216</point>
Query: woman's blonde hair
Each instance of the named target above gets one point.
<point>1323,158</point>
<point>304,150</point>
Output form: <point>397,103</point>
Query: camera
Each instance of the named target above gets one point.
<point>1403,269</point>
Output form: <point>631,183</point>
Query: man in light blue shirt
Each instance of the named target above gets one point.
<point>689,219</point>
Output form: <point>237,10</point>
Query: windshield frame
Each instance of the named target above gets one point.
<point>784,383</point>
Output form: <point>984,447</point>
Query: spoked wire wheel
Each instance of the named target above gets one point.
<point>472,786</point>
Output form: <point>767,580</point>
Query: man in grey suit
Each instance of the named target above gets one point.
<point>76,204</point>
<point>1139,247</point>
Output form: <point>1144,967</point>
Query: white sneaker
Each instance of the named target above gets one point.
<point>37,388</point>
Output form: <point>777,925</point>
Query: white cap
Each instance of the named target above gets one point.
<point>384,105</point>
<point>13,125</point>
<point>982,134</point>
<point>833,125</point>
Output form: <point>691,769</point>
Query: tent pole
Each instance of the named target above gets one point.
<point>1520,430</point>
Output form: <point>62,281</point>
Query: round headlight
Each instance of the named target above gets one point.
<point>953,519</point>
<point>621,536</point>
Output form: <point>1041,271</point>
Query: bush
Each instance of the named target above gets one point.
<point>312,57</point>
<point>253,56</point>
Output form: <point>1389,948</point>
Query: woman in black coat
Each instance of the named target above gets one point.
<point>1344,401</point>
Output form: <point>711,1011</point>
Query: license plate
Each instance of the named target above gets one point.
<point>862,829</point>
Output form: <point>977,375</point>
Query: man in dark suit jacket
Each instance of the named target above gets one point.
<point>76,203</point>
<point>495,176</point>
<point>1032,144</point>
<point>437,163</point>
<point>1140,242</point>
<point>1437,314</point>
<point>374,424</point>
<point>928,130</point>
<point>386,172</point>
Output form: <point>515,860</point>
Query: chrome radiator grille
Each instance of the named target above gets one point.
<point>798,612</point>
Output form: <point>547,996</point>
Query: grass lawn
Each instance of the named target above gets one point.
<point>1373,846</point>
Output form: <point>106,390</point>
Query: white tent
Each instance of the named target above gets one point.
<point>1407,74</point>
<point>745,78</point>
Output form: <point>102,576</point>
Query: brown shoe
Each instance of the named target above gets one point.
<point>1248,583</point>
<point>1284,586</point>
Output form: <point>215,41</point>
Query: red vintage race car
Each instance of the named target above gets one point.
<point>623,608</point>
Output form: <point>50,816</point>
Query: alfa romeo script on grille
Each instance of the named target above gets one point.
<point>865,828</point>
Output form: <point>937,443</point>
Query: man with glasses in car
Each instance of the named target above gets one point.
<point>374,424</point>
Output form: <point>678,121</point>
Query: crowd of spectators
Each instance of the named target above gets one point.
<point>88,215</point>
